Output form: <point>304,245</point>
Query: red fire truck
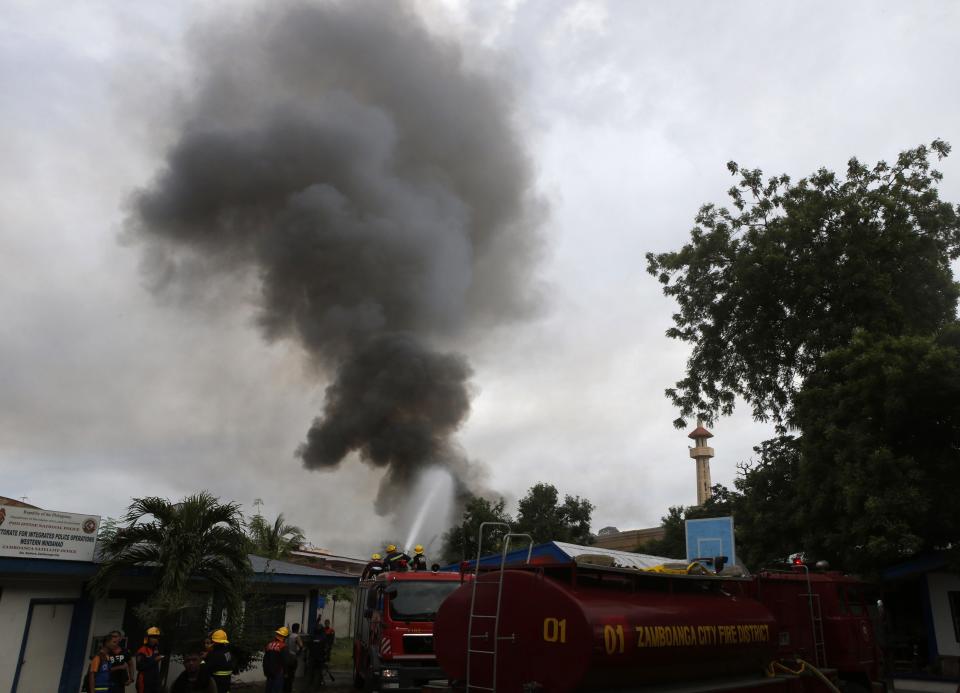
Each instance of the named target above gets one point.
<point>555,628</point>
<point>393,641</point>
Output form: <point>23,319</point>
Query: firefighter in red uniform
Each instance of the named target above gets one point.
<point>148,663</point>
<point>274,660</point>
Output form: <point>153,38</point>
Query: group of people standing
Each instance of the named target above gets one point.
<point>113,668</point>
<point>209,670</point>
<point>282,656</point>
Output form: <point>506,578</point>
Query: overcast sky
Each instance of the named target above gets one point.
<point>629,112</point>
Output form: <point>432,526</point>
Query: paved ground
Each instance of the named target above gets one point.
<point>343,683</point>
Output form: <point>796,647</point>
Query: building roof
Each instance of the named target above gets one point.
<point>326,556</point>
<point>14,503</point>
<point>275,572</point>
<point>267,566</point>
<point>918,565</point>
<point>700,432</point>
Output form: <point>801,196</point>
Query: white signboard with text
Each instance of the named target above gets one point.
<point>35,533</point>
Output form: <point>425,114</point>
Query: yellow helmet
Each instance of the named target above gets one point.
<point>391,548</point>
<point>153,630</point>
<point>376,557</point>
<point>220,637</point>
<point>418,548</point>
<point>283,631</point>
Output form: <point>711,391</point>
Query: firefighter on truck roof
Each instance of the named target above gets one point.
<point>373,568</point>
<point>419,561</point>
<point>395,560</point>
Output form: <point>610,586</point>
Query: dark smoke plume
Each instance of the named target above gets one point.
<point>379,191</point>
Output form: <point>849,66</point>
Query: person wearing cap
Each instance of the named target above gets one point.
<point>148,662</point>
<point>219,660</point>
<point>274,660</point>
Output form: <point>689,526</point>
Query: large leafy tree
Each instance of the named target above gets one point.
<point>541,515</point>
<point>460,541</point>
<point>273,540</point>
<point>881,448</point>
<point>197,543</point>
<point>829,305</point>
<point>767,287</point>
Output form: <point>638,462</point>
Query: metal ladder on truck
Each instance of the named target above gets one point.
<point>489,652</point>
<point>816,622</point>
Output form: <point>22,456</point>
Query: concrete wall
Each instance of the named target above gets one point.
<point>939,584</point>
<point>342,620</point>
<point>14,605</point>
<point>628,540</point>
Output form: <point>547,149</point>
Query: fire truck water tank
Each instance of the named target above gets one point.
<point>567,628</point>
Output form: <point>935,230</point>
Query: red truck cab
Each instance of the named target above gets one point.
<point>393,641</point>
<point>823,618</point>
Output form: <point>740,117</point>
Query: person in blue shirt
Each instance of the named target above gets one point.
<point>99,676</point>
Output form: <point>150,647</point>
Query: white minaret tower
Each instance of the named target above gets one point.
<point>702,453</point>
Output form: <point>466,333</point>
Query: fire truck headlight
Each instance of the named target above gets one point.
<point>389,674</point>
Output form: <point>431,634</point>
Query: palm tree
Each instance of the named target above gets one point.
<point>198,538</point>
<point>273,541</point>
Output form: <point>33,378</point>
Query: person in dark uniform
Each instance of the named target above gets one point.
<point>395,560</point>
<point>193,677</point>
<point>373,568</point>
<point>220,662</point>
<point>419,561</point>
<point>148,663</point>
<point>318,659</point>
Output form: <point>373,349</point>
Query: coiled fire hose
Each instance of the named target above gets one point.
<point>804,666</point>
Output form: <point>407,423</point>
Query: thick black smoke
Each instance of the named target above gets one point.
<point>380,192</point>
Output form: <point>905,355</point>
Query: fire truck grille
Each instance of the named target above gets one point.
<point>418,644</point>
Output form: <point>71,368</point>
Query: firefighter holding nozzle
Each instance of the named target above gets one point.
<point>395,560</point>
